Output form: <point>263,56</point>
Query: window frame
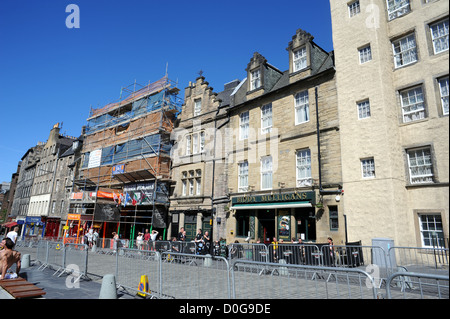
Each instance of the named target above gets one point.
<point>363,109</point>
<point>405,95</point>
<point>352,9</point>
<point>397,43</point>
<point>442,98</point>
<point>445,35</point>
<point>299,62</point>
<point>267,172</point>
<point>411,167</point>
<point>298,106</point>
<point>244,126</point>
<point>304,181</point>
<point>255,81</point>
<point>266,116</point>
<point>365,56</point>
<point>197,107</point>
<point>241,170</point>
<point>435,229</point>
<point>392,14</point>
<point>368,168</point>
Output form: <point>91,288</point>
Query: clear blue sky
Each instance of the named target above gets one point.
<point>51,74</point>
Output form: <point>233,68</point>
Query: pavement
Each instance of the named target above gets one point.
<point>63,287</point>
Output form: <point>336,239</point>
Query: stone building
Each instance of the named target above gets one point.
<point>199,198</point>
<point>284,164</point>
<point>50,175</point>
<point>392,87</point>
<point>24,187</point>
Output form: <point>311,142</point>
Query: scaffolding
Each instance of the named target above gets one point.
<point>126,151</point>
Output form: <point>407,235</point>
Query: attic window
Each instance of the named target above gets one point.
<point>255,79</point>
<point>299,59</point>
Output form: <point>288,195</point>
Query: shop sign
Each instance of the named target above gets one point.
<point>73,216</point>
<point>271,198</point>
<point>118,169</point>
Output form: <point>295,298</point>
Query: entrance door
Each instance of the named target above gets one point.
<point>267,225</point>
<point>306,224</point>
<point>191,230</point>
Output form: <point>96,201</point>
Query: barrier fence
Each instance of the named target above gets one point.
<point>186,270</point>
<point>287,281</point>
<point>410,285</point>
<point>65,258</point>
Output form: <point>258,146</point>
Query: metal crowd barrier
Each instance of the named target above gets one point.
<point>65,258</point>
<point>417,286</point>
<point>288,281</point>
<point>420,260</point>
<point>132,264</point>
<point>190,276</point>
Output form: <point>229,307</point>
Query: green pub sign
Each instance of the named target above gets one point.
<point>274,198</point>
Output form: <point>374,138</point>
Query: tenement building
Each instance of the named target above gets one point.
<point>199,173</point>
<point>392,87</point>
<point>284,163</point>
<point>123,181</point>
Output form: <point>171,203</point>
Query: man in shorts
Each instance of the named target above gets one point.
<point>8,257</point>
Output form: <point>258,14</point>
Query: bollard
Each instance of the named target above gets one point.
<point>283,271</point>
<point>208,260</point>
<point>25,262</point>
<point>108,289</point>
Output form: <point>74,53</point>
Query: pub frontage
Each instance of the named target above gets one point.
<point>283,216</point>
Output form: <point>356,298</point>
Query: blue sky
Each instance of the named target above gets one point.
<point>50,73</point>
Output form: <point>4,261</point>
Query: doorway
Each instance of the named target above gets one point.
<point>306,224</point>
<point>266,230</point>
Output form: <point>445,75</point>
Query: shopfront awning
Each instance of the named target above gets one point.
<point>271,205</point>
<point>10,224</point>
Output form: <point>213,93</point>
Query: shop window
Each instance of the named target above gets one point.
<point>242,224</point>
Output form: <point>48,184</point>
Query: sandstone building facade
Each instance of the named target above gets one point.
<point>392,88</point>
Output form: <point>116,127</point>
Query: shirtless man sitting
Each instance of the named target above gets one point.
<point>8,257</point>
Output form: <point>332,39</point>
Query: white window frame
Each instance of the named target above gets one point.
<point>303,168</point>
<point>198,182</point>
<point>353,8</point>
<point>195,143</point>
<point>299,59</point>
<point>244,125</point>
<point>444,92</point>
<point>266,172</point>
<point>301,107</point>
<point>188,144</point>
<point>405,50</point>
<point>420,165</point>
<point>197,107</point>
<point>439,35</point>
<point>430,223</point>
<point>368,168</point>
<point>365,54</point>
<point>363,108</point>
<point>184,183</point>
<point>255,79</point>
<point>243,176</point>
<point>266,118</point>
<point>413,104</point>
<point>397,8</point>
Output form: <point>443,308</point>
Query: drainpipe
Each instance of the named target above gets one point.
<point>214,166</point>
<point>321,191</point>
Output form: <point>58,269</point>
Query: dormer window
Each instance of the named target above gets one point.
<point>300,59</point>
<point>255,79</point>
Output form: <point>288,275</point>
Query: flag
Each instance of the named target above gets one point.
<point>144,197</point>
<point>122,199</point>
<point>127,199</point>
<point>116,199</point>
<point>136,199</point>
